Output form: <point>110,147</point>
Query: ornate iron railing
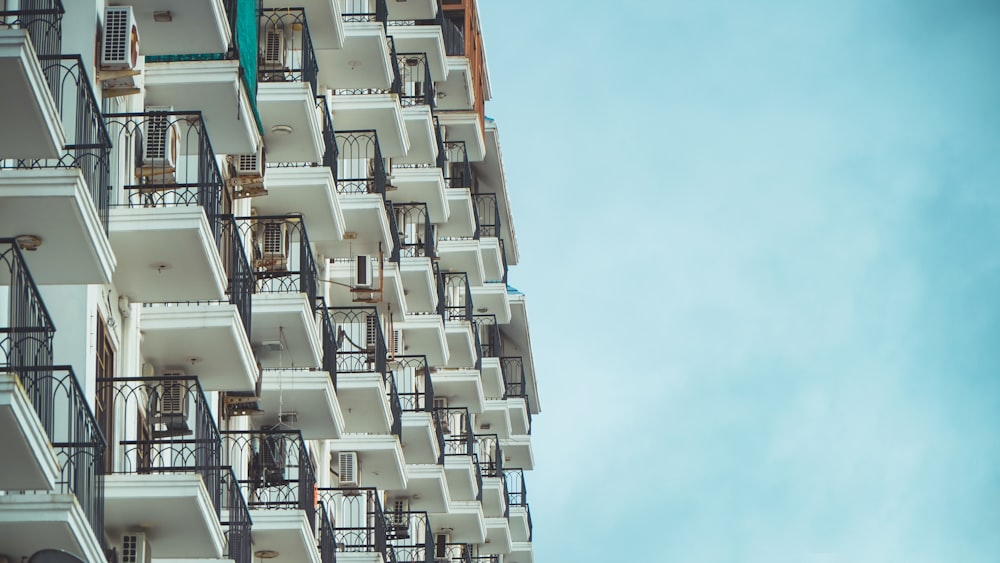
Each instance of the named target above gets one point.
<point>327,539</point>
<point>487,215</point>
<point>287,53</point>
<point>166,160</point>
<point>88,145</point>
<point>456,425</point>
<point>242,281</point>
<point>457,296</point>
<point>360,167</point>
<point>489,335</point>
<point>489,455</point>
<point>394,234</point>
<point>453,553</point>
<point>442,154</point>
<point>42,20</point>
<point>417,84</point>
<point>395,406</point>
<point>416,232</point>
<point>410,536</point>
<point>358,520</point>
<point>280,254</point>
<point>458,171</point>
<point>329,336</point>
<point>74,434</point>
<point>396,86</point>
<point>365,11</point>
<point>176,429</point>
<point>517,492</point>
<point>515,382</point>
<point>413,382</point>
<point>26,332</point>
<point>279,471</point>
<point>360,341</point>
<point>236,519</point>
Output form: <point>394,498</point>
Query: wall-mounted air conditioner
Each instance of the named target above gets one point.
<point>133,547</point>
<point>272,245</point>
<point>251,165</point>
<point>168,406</point>
<point>441,542</point>
<point>272,56</point>
<point>120,39</point>
<point>347,465</point>
<point>161,141</point>
<point>364,275</point>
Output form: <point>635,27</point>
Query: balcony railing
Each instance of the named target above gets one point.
<point>360,167</point>
<point>517,492</point>
<point>176,430</point>
<point>503,258</point>
<point>365,11</point>
<point>457,296</point>
<point>74,435</point>
<point>395,407</point>
<point>487,215</point>
<point>236,519</point>
<point>358,520</point>
<point>417,84</point>
<point>489,455</point>
<point>26,332</point>
<point>88,145</point>
<point>280,254</point>
<point>287,53</point>
<point>329,335</point>
<point>279,472</point>
<point>454,38</point>
<point>456,425</point>
<point>413,382</point>
<point>360,341</point>
<point>453,553</point>
<point>325,533</point>
<point>242,282</point>
<point>416,232</point>
<point>489,335</point>
<point>42,20</point>
<point>394,233</point>
<point>458,171</point>
<point>410,536</point>
<point>514,381</point>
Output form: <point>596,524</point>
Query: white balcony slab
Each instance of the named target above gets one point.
<point>520,530</point>
<point>461,345</point>
<point>204,339</point>
<point>307,393</point>
<point>284,332</point>
<point>461,475</point>
<point>492,260</point>
<point>424,334</point>
<point>214,88</point>
<point>462,388</point>
<point>412,10</point>
<point>517,452</point>
<point>492,296</point>
<point>380,459</point>
<point>421,135</point>
<point>195,27</point>
<point>326,25</point>
<point>363,403</point>
<point>461,216</point>
<point>497,537</point>
<point>492,377</point>
<point>311,192</point>
<point>341,273</point>
<point>520,552</point>
<point>461,255</point>
<point>287,533</point>
<point>175,510</point>
<point>34,130</point>
<point>427,488</point>
<point>419,439</point>
<point>359,557</point>
<point>520,424</point>
<point>30,464</point>
<point>363,62</point>
<point>455,92</point>
<point>467,127</point>
<point>425,39</point>
<point>291,104</point>
<point>495,418</point>
<point>365,218</point>
<point>465,521</point>
<point>32,522</point>
<point>494,498</point>
<point>56,206</point>
<point>418,284</point>
<point>424,185</point>
<point>379,112</point>
<point>167,254</point>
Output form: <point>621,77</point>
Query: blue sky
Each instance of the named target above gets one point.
<point>760,246</point>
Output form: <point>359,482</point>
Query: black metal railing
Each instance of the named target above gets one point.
<point>489,335</point>
<point>395,406</point>
<point>489,455</point>
<point>365,11</point>
<point>503,259</point>
<point>235,519</point>
<point>442,154</point>
<point>176,430</point>
<point>280,254</point>
<point>27,331</point>
<point>360,166</point>
<point>74,435</point>
<point>325,533</point>
<point>410,536</point>
<point>168,161</point>
<point>413,383</point>
<point>456,425</point>
<point>358,519</point>
<point>458,171</point>
<point>329,336</point>
<point>457,296</point>
<point>486,559</point>
<point>454,38</point>
<point>487,215</point>
<point>396,86</point>
<point>88,145</point>
<point>452,553</point>
<point>279,471</point>
<point>242,283</point>
<point>513,377</point>
<point>394,234</point>
<point>42,20</point>
<point>287,53</point>
<point>517,492</point>
<point>417,84</point>
<point>416,232</point>
<point>360,341</point>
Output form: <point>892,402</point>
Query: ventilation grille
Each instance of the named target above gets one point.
<point>157,129</point>
<point>116,35</point>
<point>274,238</point>
<point>248,162</point>
<point>274,47</point>
<point>172,401</point>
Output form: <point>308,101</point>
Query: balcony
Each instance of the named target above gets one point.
<point>359,523</point>
<point>421,35</point>
<point>165,452</point>
<point>26,36</point>
<point>488,230</point>
<point>168,187</point>
<point>459,451</point>
<point>464,126</point>
<point>516,394</point>
<point>287,86</point>
<point>409,534</point>
<point>421,439</point>
<point>195,27</point>
<point>384,286</point>
<point>362,369</point>
<point>69,187</point>
<point>276,476</point>
<point>327,536</point>
<point>517,500</point>
<point>489,457</point>
<point>490,349</point>
<point>455,301</point>
<point>284,330</point>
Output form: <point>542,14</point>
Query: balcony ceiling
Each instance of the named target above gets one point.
<point>380,459</point>
<point>290,104</point>
<point>455,92</point>
<point>494,419</point>
<point>424,334</point>
<point>423,185</point>
<point>492,297</point>
<point>492,377</point>
<point>461,217</point>
<point>363,402</point>
<point>464,126</point>
<point>520,552</point>
<point>462,255</point>
<point>420,131</point>
<point>308,394</point>
<point>34,130</point>
<point>497,537</point>
<point>461,352</point>
<point>307,191</point>
<point>363,62</point>
<point>465,521</point>
<point>325,22</point>
<point>427,488</point>
<point>380,112</point>
<point>285,321</point>
<point>418,281</point>
<point>418,439</point>
<point>195,27</point>
<point>412,9</point>
<point>425,39</point>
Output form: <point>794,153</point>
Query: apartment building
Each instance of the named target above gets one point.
<point>254,299</point>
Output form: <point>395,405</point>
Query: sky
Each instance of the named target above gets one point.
<point>759,242</point>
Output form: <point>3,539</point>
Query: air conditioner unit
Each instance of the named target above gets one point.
<point>271,245</point>
<point>273,49</point>
<point>120,40</point>
<point>398,519</point>
<point>134,548</point>
<point>363,272</point>
<point>441,542</point>
<point>251,165</point>
<point>398,346</point>
<point>270,460</point>
<point>169,407</point>
<point>161,142</point>
<point>347,464</point>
